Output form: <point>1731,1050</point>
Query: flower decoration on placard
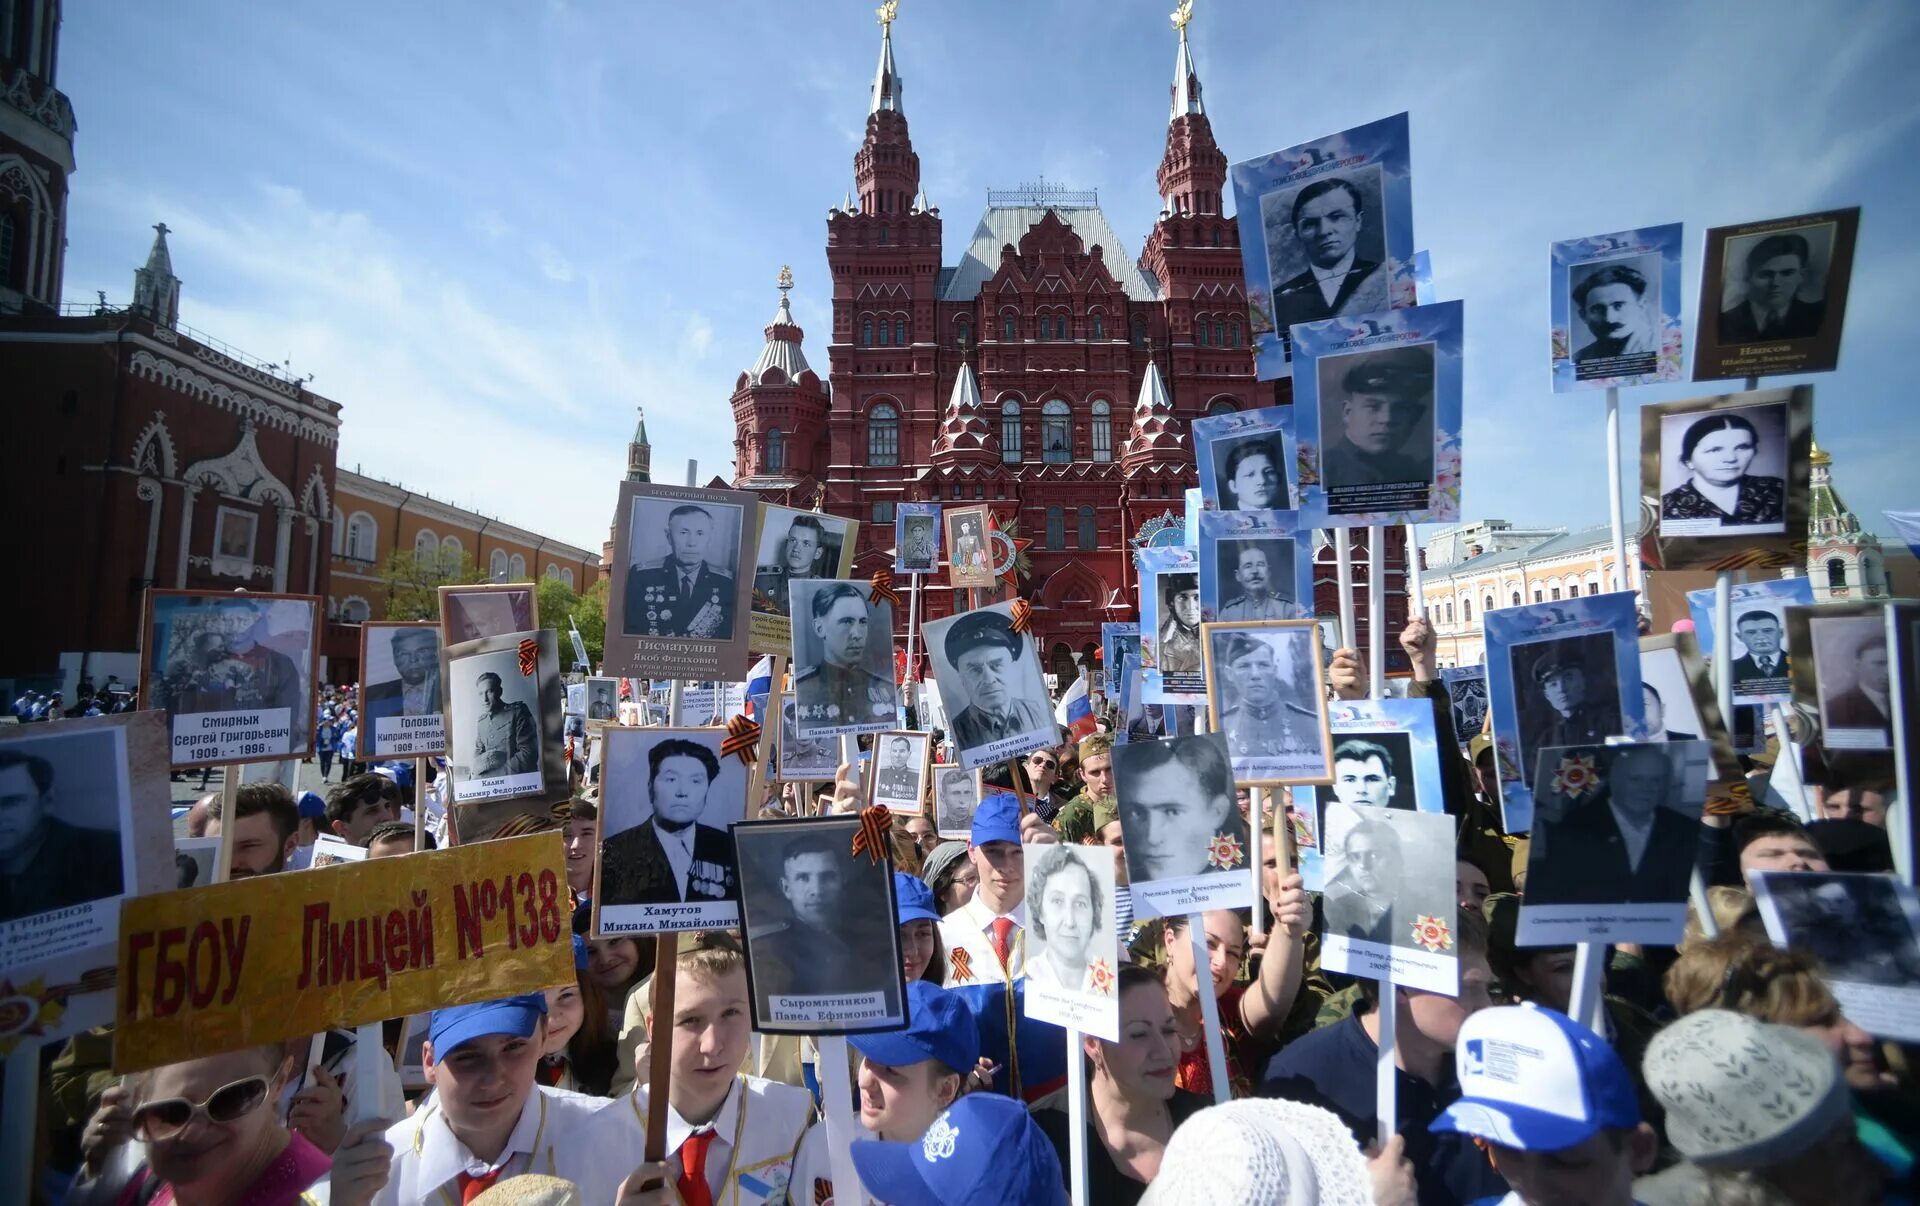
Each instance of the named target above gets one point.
<point>961,963</point>
<point>883,588</point>
<point>1576,776</point>
<point>29,1010</point>
<point>1225,852</point>
<point>1431,932</point>
<point>875,823</point>
<point>742,740</point>
<point>529,657</point>
<point>1102,973</point>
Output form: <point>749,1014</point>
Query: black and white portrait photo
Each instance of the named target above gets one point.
<point>1853,680</point>
<point>603,699</point>
<point>969,550</point>
<point>667,797</point>
<point>1865,930</point>
<point>1374,769</point>
<point>233,541</point>
<point>956,794</point>
<point>842,659</point>
<point>1376,429</point>
<point>680,583</point>
<point>823,952</point>
<point>234,672</point>
<point>1250,472</point>
<point>1266,690</point>
<point>990,681</point>
<point>1257,578</point>
<point>1669,710</point>
<point>1614,826</point>
<point>1762,666</point>
<point>402,705</point>
<point>1177,651</point>
<point>1072,955</point>
<point>1724,472</point>
<point>1773,295</point>
<point>899,776</point>
<point>1616,316</point>
<point>1389,894</point>
<point>918,539</point>
<point>1567,692</point>
<point>794,544</point>
<point>495,738</point>
<point>1186,843</point>
<point>1327,247</point>
<point>800,759</point>
<point>471,613</point>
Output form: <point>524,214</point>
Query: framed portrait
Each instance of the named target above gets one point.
<point>1616,309</point>
<point>1326,230</point>
<point>505,720</point>
<point>1864,929</point>
<point>1679,700</point>
<point>798,759</point>
<point>1252,567</point>
<point>991,685</point>
<point>603,701</point>
<point>823,952</point>
<point>234,673</point>
<point>1117,642</point>
<point>234,535</point>
<point>1386,754</point>
<point>1773,296</point>
<point>681,575</point>
<point>1762,664</point>
<point>1186,842</point>
<point>956,796</point>
<point>791,545</point>
<point>916,537</point>
<point>842,659</point>
<point>1173,669</point>
<point>1377,412</point>
<point>468,613</point>
<point>86,805</point>
<point>666,862</point>
<point>1467,696</point>
<point>1072,959</point>
<point>899,778</point>
<point>1723,481</point>
<point>1388,906</point>
<point>1242,459</point>
<point>1616,829</point>
<point>402,707</point>
<point>1266,695</point>
<point>969,546</point>
<point>1848,679</point>
<point>1565,672</point>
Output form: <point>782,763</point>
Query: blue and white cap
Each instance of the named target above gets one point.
<point>1536,1081</point>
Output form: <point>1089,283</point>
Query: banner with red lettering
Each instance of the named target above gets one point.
<point>274,957</point>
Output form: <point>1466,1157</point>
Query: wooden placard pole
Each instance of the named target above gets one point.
<point>666,961</point>
<point>836,1095</point>
<point>1256,831</point>
<point>229,801</point>
<point>419,803</point>
<point>910,718</point>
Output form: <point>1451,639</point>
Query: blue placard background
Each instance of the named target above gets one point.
<point>1655,249</point>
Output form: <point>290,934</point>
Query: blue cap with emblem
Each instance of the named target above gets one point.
<point>996,820</point>
<point>942,1028</point>
<point>984,1148</point>
<point>517,1016</point>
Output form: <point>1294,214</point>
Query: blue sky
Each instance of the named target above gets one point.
<point>492,229</point>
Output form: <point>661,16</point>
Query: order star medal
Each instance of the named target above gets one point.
<point>1224,851</point>
<point>1432,933</point>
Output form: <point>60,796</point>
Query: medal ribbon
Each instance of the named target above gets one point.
<point>883,588</point>
<point>1022,616</point>
<point>529,657</point>
<point>876,822</point>
<point>742,740</point>
<point>962,963</point>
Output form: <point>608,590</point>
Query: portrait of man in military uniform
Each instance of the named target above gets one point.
<point>686,593</point>
<point>969,553</point>
<point>1178,651</point>
<point>667,840</point>
<point>990,681</point>
<point>902,770</point>
<point>1256,579</point>
<point>802,759</point>
<point>231,653</point>
<point>793,545</point>
<point>1376,429</point>
<point>1566,694</point>
<point>843,660</point>
<point>1268,701</point>
<point>918,543</point>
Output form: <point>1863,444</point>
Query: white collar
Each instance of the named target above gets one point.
<point>1339,270</point>
<point>982,918</point>
<point>678,1128</point>
<point>443,1157</point>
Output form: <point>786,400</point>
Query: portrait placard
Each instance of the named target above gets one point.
<point>899,781</point>
<point>1616,829</point>
<point>331,851</point>
<point>1773,296</point>
<point>1117,642</point>
<point>1266,695</point>
<point>1848,680</point>
<point>990,681</point>
<point>1326,229</point>
<point>234,673</point>
<point>1723,481</point>
<point>471,612</point>
<point>956,795</point>
<point>823,952</point>
<point>916,537</point>
<point>1389,904</point>
<point>1680,702</point>
<point>1762,667</point>
<point>666,863</point>
<point>195,861</point>
<point>1863,928</point>
<point>792,544</point>
<point>506,734</point>
<point>1242,458</point>
<point>1173,667</point>
<point>1303,815</point>
<point>85,827</point>
<point>1072,957</point>
<point>1565,672</point>
<point>603,701</point>
<point>798,759</point>
<point>680,582</point>
<point>969,546</point>
<point>402,707</point>
<point>1377,411</point>
<point>842,659</point>
<point>1467,694</point>
<point>1386,754</point>
<point>1253,567</point>
<point>1616,309</point>
<point>1140,720</point>
<point>1186,842</point>
<point>234,535</point>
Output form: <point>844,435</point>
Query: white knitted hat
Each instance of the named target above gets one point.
<point>1261,1152</point>
<point>1742,1093</point>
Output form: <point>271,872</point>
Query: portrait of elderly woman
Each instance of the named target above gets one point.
<point>1068,918</point>
<point>1718,452</point>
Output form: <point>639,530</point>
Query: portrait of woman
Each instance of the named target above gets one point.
<point>1066,932</point>
<point>1717,451</point>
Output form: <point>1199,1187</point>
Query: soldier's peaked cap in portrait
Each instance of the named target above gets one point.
<point>1551,664</point>
<point>977,629</point>
<point>1396,372</point>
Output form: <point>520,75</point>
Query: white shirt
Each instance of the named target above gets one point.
<point>553,1137</point>
<point>969,928</point>
<point>755,1135</point>
<point>1332,278</point>
<point>813,1163</point>
<point>679,850</point>
<point>415,701</point>
<point>1634,834</point>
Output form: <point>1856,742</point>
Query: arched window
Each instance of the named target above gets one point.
<point>1516,598</point>
<point>1056,432</point>
<point>497,565</point>
<point>426,548</point>
<point>1060,327</point>
<point>883,435</point>
<point>566,576</point>
<point>7,241</point>
<point>553,571</point>
<point>339,533</point>
<point>1216,236</point>
<point>1487,605</point>
<point>886,334</point>
<point>1233,334</point>
<point>1102,431</point>
<point>1139,331</point>
<point>1466,611</point>
<point>900,332</point>
<point>1221,406</point>
<point>1573,590</point>
<point>963,332</point>
<point>866,332</point>
<point>1010,328</point>
<point>517,569</point>
<point>1099,327</point>
<point>1089,530</point>
<point>1010,451</point>
<point>1219,335</point>
<point>1056,527</point>
<point>355,610</point>
<point>1200,331</point>
<point>1449,611</point>
<point>775,457</point>
<point>361,536</point>
<point>450,553</point>
<point>1836,574</point>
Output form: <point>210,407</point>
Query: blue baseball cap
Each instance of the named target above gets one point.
<point>984,1148</point>
<point>1536,1081</point>
<point>940,1027</point>
<point>914,899</point>
<point>518,1016</point>
<point>997,819</point>
<point>579,953</point>
<point>311,805</point>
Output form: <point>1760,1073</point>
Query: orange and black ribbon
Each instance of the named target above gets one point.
<point>875,823</point>
<point>529,657</point>
<point>742,740</point>
<point>883,588</point>
<point>1022,616</point>
<point>962,964</point>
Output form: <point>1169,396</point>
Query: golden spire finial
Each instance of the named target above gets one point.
<point>886,12</point>
<point>1182,15</point>
<point>786,278</point>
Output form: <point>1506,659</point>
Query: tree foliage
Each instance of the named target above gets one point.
<point>413,586</point>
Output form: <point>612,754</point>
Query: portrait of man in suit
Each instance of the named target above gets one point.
<point>1328,217</point>
<point>416,692</point>
<point>1764,661</point>
<point>684,595</point>
<point>1770,278</point>
<point>1863,704</point>
<point>1623,840</point>
<point>671,856</point>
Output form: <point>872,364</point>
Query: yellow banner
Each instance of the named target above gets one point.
<point>260,960</point>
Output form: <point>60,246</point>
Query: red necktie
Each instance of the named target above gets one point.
<point>693,1169</point>
<point>472,1187</point>
<point>1002,934</point>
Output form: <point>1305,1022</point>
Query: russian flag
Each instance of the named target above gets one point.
<point>759,685</point>
<point>1075,710</point>
<point>1907,523</point>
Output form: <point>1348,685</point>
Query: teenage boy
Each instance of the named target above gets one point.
<point>359,804</point>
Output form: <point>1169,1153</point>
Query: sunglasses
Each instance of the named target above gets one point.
<point>157,1121</point>
<point>1044,763</point>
